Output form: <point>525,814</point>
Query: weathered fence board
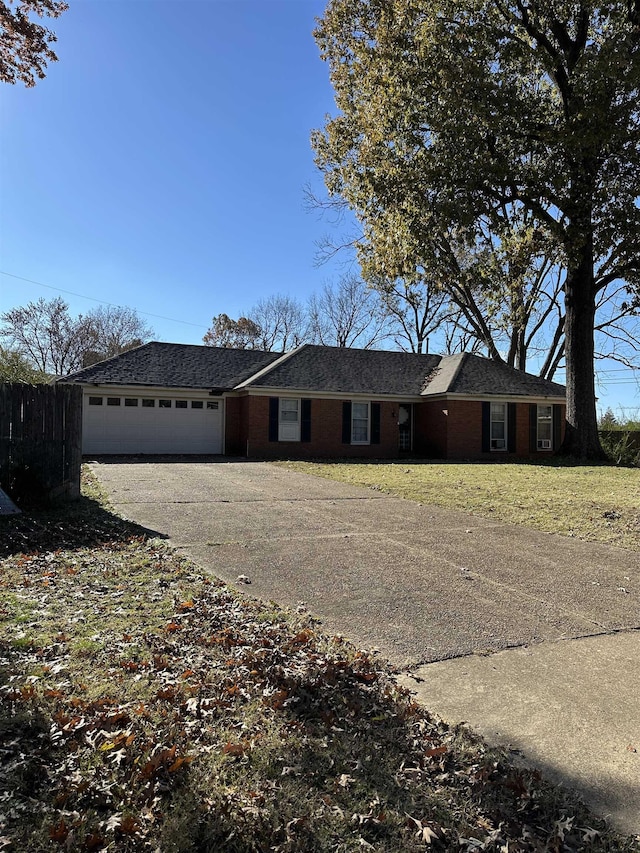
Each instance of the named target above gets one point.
<point>40,441</point>
<point>4,437</point>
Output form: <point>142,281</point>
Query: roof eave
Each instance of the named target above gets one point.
<point>264,390</point>
<point>486,395</point>
<point>216,390</point>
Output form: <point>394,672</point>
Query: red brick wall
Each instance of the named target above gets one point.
<point>326,433</point>
<point>464,429</point>
<point>232,427</point>
<point>464,433</point>
<point>449,429</point>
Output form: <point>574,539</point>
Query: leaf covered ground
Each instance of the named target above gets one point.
<point>599,503</point>
<point>146,706</point>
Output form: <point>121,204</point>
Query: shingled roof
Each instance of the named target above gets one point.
<point>348,371</point>
<point>383,372</point>
<point>314,368</point>
<point>472,374</point>
<point>176,366</point>
<point>485,376</point>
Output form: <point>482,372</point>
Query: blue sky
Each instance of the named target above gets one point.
<point>162,163</point>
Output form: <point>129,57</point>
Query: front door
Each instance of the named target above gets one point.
<point>404,426</point>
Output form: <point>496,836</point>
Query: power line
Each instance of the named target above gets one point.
<point>599,374</point>
<point>100,301</point>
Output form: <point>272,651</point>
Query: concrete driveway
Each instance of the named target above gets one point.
<point>531,638</point>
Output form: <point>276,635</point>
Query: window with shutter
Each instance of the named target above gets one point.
<point>359,423</point>
<point>498,426</point>
<point>544,432</point>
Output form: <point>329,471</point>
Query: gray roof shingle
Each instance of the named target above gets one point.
<point>314,368</point>
<point>356,371</point>
<point>349,371</point>
<point>441,377</point>
<point>477,375</point>
<point>176,366</point>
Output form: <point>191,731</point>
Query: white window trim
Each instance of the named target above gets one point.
<point>368,405</point>
<point>505,409</point>
<point>289,424</point>
<point>538,439</point>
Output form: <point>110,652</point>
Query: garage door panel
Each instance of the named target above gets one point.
<point>142,429</point>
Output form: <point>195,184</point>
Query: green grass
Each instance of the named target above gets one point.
<point>147,706</point>
<point>598,503</point>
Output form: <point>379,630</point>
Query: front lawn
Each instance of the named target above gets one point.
<point>146,706</point>
<point>598,503</point>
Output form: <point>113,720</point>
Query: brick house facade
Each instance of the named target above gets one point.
<point>443,429</point>
<point>317,402</point>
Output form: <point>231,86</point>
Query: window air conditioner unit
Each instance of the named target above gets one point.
<point>497,444</point>
<point>544,444</point>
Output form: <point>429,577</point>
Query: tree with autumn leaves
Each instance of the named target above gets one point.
<point>457,115</point>
<point>26,45</point>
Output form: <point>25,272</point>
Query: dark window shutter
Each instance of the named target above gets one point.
<point>375,423</point>
<point>557,426</point>
<point>346,422</point>
<point>511,427</point>
<point>274,405</point>
<point>533,428</point>
<point>486,427</point>
<point>305,427</point>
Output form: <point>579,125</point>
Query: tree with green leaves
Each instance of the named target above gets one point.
<point>14,367</point>
<point>608,420</point>
<point>451,110</point>
<point>25,44</point>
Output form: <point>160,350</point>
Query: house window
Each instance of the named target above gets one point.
<point>148,403</point>
<point>545,428</point>
<point>289,420</point>
<point>164,404</point>
<point>131,401</point>
<point>196,404</point>
<point>498,426</point>
<point>95,401</point>
<point>359,423</point>
<point>113,401</point>
<point>181,404</point>
<point>211,404</point>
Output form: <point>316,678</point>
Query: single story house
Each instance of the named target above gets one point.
<point>316,401</point>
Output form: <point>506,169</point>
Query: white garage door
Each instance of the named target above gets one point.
<point>151,424</point>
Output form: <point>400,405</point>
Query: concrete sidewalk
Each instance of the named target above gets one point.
<point>492,617</point>
<point>568,706</point>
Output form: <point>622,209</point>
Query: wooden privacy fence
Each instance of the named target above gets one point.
<point>40,441</point>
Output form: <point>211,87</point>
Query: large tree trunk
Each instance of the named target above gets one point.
<point>581,440</point>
